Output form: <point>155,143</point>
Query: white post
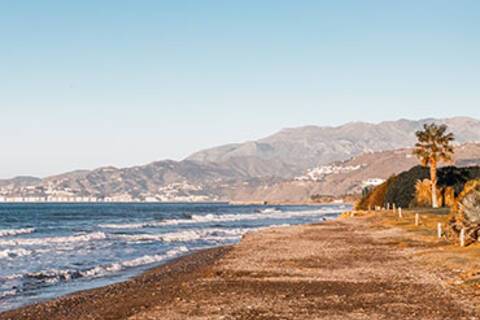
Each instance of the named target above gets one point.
<point>400,212</point>
<point>417,219</point>
<point>352,214</point>
<point>394,207</point>
<point>388,205</point>
<point>439,230</point>
<point>462,237</point>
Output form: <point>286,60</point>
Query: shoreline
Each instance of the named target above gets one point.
<point>340,269</point>
<point>121,300</point>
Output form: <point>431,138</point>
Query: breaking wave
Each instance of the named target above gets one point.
<point>264,214</point>
<point>52,276</point>
<point>14,232</point>
<point>141,261</point>
<point>208,234</point>
<point>13,253</point>
<point>49,240</point>
<point>8,293</point>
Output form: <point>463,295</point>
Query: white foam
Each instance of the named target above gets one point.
<point>49,240</point>
<point>52,276</point>
<point>270,210</point>
<point>14,232</point>
<point>269,213</point>
<point>99,271</point>
<point>8,293</point>
<point>11,277</point>
<point>123,225</point>
<point>209,234</point>
<point>12,253</point>
<point>260,216</point>
<point>216,234</point>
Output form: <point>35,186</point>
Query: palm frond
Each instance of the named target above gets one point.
<point>434,144</point>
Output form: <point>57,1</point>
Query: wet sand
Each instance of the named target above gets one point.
<point>343,269</point>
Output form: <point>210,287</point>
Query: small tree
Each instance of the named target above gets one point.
<point>434,146</point>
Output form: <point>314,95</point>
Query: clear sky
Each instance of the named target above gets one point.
<point>91,83</point>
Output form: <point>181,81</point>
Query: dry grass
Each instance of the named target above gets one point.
<point>423,192</point>
<point>461,262</point>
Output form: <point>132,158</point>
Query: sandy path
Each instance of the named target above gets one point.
<point>337,270</point>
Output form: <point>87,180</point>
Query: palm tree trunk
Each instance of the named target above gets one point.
<point>433,178</point>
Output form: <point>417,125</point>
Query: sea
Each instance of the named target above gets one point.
<point>49,250</point>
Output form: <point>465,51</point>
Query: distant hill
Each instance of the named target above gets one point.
<point>292,151</point>
<point>264,169</point>
<point>350,176</point>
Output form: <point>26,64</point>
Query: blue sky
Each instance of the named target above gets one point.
<point>91,83</point>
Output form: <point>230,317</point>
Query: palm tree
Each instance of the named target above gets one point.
<point>433,146</point>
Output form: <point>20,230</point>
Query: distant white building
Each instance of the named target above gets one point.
<point>372,182</point>
<point>318,173</point>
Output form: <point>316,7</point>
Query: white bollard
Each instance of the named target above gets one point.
<point>400,212</point>
<point>417,219</point>
<point>394,207</point>
<point>462,237</point>
<point>388,205</point>
<point>439,230</point>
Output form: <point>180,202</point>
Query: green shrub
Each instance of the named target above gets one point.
<point>457,177</point>
<point>402,191</point>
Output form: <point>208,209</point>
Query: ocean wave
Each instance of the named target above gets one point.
<point>208,234</point>
<point>14,232</point>
<point>275,215</point>
<point>123,225</point>
<point>269,213</point>
<point>56,240</point>
<point>269,210</point>
<point>10,277</point>
<point>52,276</point>
<point>215,234</point>
<point>13,253</point>
<point>8,293</point>
<point>102,270</point>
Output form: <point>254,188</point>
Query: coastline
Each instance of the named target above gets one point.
<point>354,268</point>
<point>123,299</point>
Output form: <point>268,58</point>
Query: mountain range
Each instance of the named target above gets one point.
<point>241,171</point>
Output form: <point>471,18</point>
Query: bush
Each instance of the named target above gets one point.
<point>466,212</point>
<point>457,177</point>
<point>401,190</point>
<point>448,196</point>
<point>376,196</point>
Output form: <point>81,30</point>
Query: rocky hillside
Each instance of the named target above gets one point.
<point>161,180</point>
<point>350,176</point>
<point>292,151</point>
